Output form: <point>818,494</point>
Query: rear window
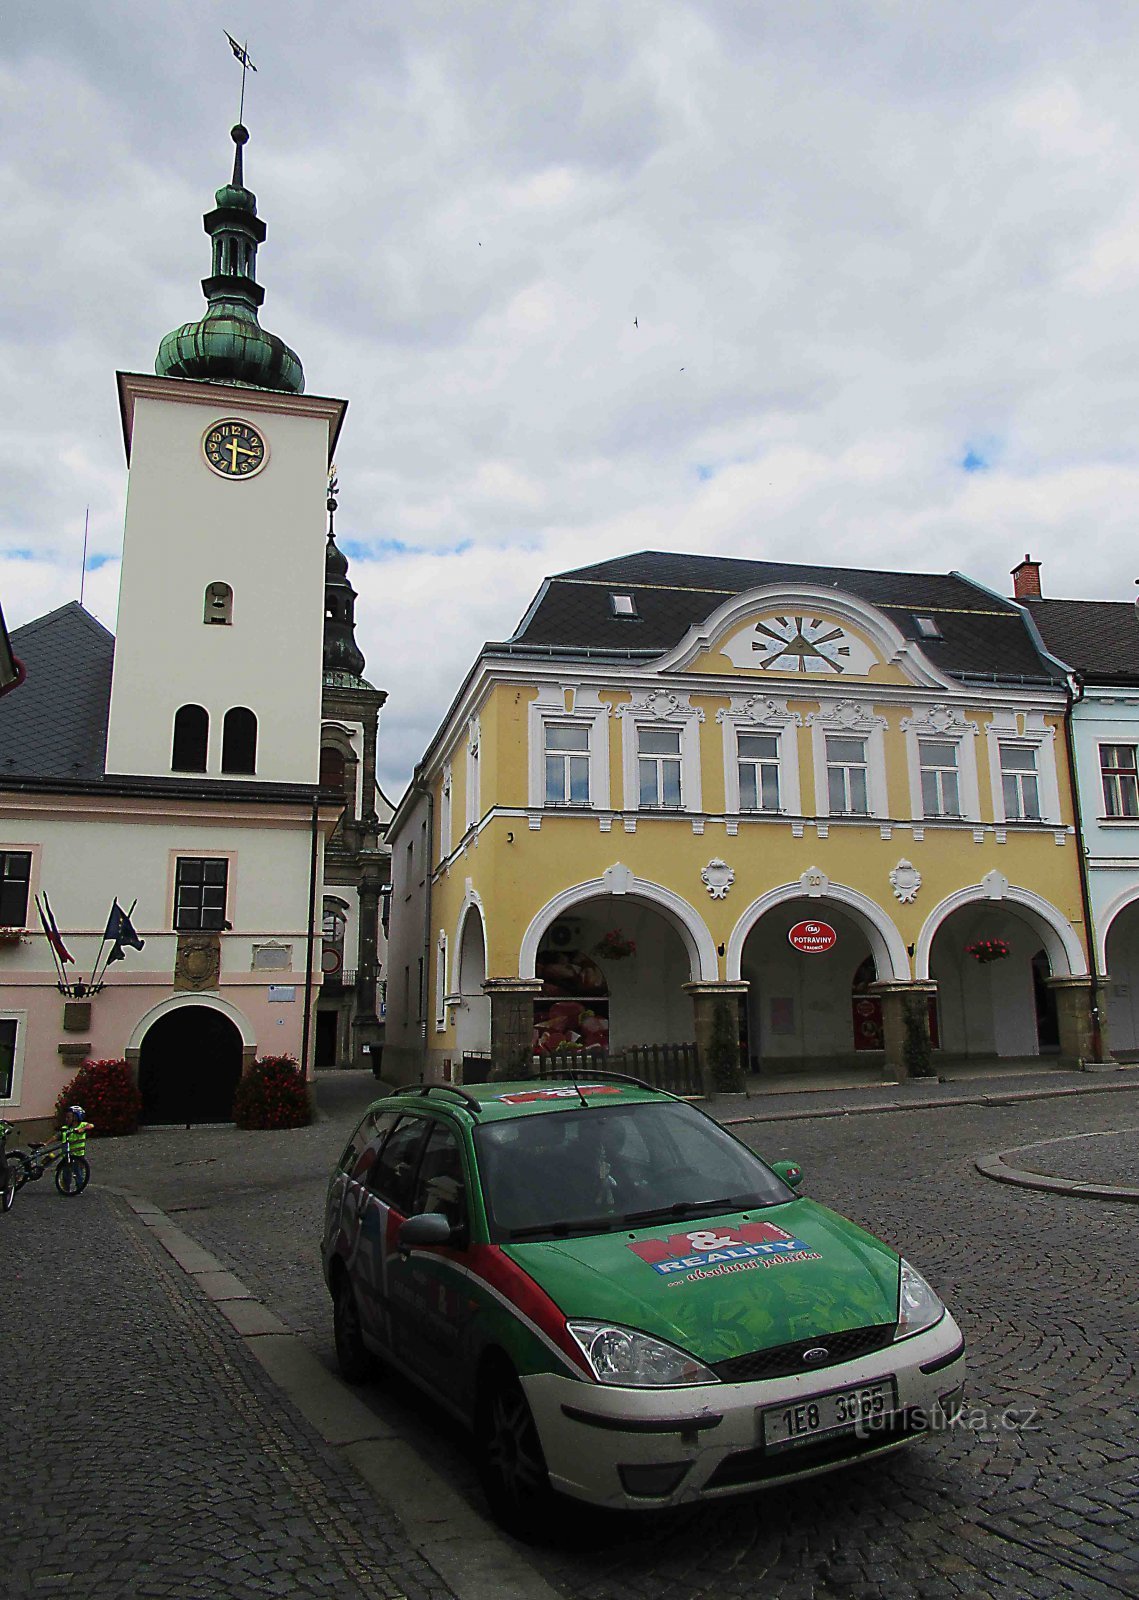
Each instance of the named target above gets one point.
<point>615,1166</point>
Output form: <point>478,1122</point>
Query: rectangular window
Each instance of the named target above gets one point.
<point>567,765</point>
<point>15,877</point>
<point>658,768</point>
<point>1120,780</point>
<point>199,894</point>
<point>759,771</point>
<point>7,1057</point>
<point>846,777</point>
<point>940,794</point>
<point>1019,783</point>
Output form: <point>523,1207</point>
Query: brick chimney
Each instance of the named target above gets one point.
<point>1026,580</point>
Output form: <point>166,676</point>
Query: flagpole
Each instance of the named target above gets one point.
<point>95,968</point>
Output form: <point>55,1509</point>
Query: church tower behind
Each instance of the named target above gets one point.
<point>219,641</point>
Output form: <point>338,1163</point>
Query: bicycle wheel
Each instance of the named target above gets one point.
<point>21,1167</point>
<point>73,1175</point>
<point>7,1187</point>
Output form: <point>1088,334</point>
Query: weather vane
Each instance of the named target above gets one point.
<point>241,51</point>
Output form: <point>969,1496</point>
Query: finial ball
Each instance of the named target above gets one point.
<point>239,134</point>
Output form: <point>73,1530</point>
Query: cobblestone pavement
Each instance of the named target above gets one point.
<point>1044,1288</point>
<point>1103,1158</point>
<point>146,1454</point>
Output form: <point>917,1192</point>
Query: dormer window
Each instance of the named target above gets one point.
<point>218,606</point>
<point>928,628</point>
<point>623,605</point>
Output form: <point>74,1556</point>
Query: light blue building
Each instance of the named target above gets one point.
<point>1098,642</point>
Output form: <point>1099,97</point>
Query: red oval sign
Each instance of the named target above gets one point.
<point>812,937</point>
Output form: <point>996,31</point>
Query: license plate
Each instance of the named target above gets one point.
<point>840,1411</point>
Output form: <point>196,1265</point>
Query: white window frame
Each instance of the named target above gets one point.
<point>1027,729</point>
<point>758,714</point>
<point>851,719</point>
<point>569,705</point>
<point>660,759</point>
<point>441,983</point>
<point>20,1018</point>
<point>566,758</point>
<point>474,740</point>
<point>945,725</point>
<point>1117,774</point>
<point>848,766</point>
<point>1019,776</point>
<point>662,708</point>
<point>445,788</point>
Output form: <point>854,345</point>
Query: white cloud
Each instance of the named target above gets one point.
<point>874,237</point>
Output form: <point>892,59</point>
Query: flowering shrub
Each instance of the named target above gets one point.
<point>108,1094</point>
<point>613,946</point>
<point>988,950</point>
<point>273,1094</point>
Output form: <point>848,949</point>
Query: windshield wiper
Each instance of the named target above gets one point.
<point>562,1230</point>
<point>694,1208</point>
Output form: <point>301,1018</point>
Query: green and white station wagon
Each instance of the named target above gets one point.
<point>624,1302</point>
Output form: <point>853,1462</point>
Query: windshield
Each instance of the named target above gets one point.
<point>573,1172</point>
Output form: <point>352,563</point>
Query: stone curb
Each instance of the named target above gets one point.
<point>1003,1171</point>
<point>935,1103</point>
<point>466,1551</point>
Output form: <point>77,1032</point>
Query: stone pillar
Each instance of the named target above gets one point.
<point>898,999</point>
<point>705,998</point>
<point>511,1024</point>
<point>1074,1015</point>
<point>366,1023</point>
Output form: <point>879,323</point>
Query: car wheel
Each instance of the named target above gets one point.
<point>511,1465</point>
<point>353,1357</point>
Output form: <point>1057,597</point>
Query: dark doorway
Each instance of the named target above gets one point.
<point>1047,1021</point>
<point>189,1067</point>
<point>326,1038</point>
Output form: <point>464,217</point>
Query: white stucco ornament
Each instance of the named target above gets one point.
<point>718,878</point>
<point>905,880</point>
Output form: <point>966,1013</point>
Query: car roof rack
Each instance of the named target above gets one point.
<point>446,1088</point>
<point>600,1072</point>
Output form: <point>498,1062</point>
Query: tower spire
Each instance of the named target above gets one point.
<point>228,345</point>
<point>342,655</point>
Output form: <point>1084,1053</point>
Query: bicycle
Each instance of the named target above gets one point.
<point>66,1151</point>
<point>9,1181</point>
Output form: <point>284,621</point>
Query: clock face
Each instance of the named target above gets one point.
<point>234,449</point>
<point>801,644</point>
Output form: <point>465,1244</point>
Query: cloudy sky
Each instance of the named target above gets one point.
<point>883,254</point>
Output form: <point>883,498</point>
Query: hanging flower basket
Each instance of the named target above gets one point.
<point>986,950</point>
<point>613,946</point>
<point>12,936</point>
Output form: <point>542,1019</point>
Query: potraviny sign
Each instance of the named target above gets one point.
<point>812,938</point>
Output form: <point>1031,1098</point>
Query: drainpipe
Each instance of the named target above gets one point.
<point>425,790</point>
<point>1074,697</point>
<point>311,941</point>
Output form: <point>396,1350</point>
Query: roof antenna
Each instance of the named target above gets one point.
<point>83,569</point>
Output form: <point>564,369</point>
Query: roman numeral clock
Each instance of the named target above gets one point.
<point>800,643</point>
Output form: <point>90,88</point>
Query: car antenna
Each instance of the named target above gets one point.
<point>577,1086</point>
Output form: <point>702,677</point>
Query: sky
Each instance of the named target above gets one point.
<point>783,279</point>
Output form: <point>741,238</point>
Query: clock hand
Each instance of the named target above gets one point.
<point>241,450</point>
<point>234,448</point>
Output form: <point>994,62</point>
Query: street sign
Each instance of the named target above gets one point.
<point>812,938</point>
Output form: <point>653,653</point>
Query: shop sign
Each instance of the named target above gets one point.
<point>812,938</point>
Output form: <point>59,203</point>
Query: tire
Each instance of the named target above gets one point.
<point>511,1465</point>
<point>356,1362</point>
<point>8,1190</point>
<point>73,1175</point>
<point>20,1167</point>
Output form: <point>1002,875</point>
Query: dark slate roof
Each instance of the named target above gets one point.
<point>55,724</point>
<point>984,635</point>
<point>1099,638</point>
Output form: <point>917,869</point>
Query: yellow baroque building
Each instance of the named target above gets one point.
<point>838,801</point>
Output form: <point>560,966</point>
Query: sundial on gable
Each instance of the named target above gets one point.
<point>801,643</point>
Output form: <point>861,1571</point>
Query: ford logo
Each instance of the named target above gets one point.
<point>816,1353</point>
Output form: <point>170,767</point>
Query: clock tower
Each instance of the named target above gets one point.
<point>219,642</point>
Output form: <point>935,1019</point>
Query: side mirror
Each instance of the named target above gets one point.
<point>428,1228</point>
<point>790,1171</point>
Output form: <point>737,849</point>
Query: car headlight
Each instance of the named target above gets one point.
<point>918,1307</point>
<point>633,1360</point>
